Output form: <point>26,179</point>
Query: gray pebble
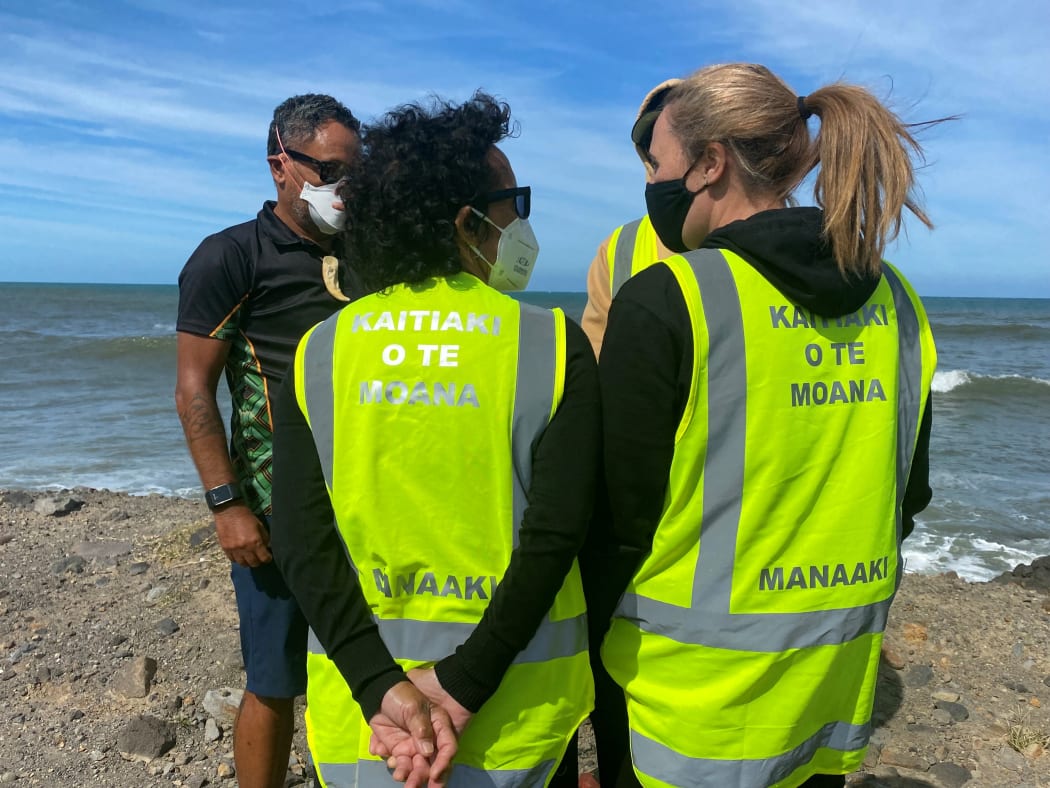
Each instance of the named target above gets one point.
<point>941,716</point>
<point>957,710</point>
<point>918,676</point>
<point>167,626</point>
<point>950,774</point>
<point>138,568</point>
<point>70,564</point>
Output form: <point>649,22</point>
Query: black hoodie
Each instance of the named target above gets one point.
<point>787,247</point>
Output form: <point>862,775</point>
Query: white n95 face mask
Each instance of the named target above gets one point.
<point>319,199</point>
<point>515,256</point>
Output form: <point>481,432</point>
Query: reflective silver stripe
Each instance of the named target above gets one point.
<point>623,258</point>
<point>532,398</point>
<point>758,632</point>
<point>708,621</point>
<point>365,774</point>
<point>320,399</point>
<point>433,640</point>
<point>313,645</point>
<point>663,763</point>
<point>345,775</point>
<point>430,641</point>
<point>909,392</point>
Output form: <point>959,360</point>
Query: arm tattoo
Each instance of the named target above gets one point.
<point>201,419</point>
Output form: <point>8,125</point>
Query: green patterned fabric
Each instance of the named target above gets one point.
<point>250,422</point>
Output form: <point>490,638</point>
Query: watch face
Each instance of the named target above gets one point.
<point>217,496</point>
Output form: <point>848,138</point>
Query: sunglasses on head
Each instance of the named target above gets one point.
<point>327,171</point>
<point>522,196</point>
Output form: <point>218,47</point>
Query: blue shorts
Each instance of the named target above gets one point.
<point>273,632</point>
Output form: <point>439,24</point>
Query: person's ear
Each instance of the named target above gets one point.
<point>465,224</point>
<point>713,162</point>
<point>278,169</point>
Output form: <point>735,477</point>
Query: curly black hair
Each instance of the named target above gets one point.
<point>299,117</point>
<point>422,164</point>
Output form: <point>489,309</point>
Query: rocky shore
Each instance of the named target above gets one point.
<point>119,658</point>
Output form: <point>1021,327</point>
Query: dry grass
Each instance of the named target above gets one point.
<point>1021,734</point>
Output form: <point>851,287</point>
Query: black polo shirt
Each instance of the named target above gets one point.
<point>259,287</point>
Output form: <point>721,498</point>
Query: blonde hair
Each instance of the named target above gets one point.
<point>866,176</point>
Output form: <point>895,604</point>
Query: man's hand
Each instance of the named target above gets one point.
<point>427,681</point>
<point>242,537</point>
<point>415,736</point>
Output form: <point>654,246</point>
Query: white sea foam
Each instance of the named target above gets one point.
<point>973,558</point>
<point>952,379</point>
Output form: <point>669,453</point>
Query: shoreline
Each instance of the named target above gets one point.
<point>97,584</point>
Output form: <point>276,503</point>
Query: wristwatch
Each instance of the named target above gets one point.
<point>221,495</point>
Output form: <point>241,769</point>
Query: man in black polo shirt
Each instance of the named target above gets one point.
<point>246,296</point>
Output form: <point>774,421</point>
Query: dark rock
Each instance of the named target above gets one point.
<point>918,676</point>
<point>195,781</point>
<point>56,507</point>
<point>892,756</point>
<point>116,640</point>
<point>1046,681</point>
<point>75,715</point>
<point>72,564</point>
<point>1034,575</point>
<point>951,774</point>
<point>107,548</point>
<point>166,627</point>
<point>43,674</point>
<point>5,538</point>
<point>1016,686</point>
<point>17,498</point>
<point>957,710</point>
<point>138,568</point>
<point>146,737</point>
<point>203,536</point>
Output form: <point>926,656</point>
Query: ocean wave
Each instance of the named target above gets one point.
<point>973,558</point>
<point>954,379</point>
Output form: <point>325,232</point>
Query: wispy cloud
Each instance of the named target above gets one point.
<point>147,124</point>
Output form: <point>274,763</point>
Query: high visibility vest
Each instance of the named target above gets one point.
<point>748,641</point>
<point>425,403</point>
<point>632,247</point>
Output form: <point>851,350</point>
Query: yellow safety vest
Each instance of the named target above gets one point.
<point>425,403</point>
<point>632,247</point>
<point>748,641</point>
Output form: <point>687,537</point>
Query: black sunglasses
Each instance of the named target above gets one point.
<point>522,199</point>
<point>642,131</point>
<point>327,171</point>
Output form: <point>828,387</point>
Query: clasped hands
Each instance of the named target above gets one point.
<point>416,730</point>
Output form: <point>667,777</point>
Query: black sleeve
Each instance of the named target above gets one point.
<point>564,471</point>
<point>645,372</point>
<point>917,494</point>
<point>214,281</point>
<point>311,556</point>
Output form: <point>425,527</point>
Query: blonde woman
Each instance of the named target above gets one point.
<point>767,419</point>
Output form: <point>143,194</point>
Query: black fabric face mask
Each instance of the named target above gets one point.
<point>668,203</point>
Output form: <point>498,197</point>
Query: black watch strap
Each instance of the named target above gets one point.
<point>223,494</point>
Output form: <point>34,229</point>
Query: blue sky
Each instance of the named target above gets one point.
<point>133,129</point>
